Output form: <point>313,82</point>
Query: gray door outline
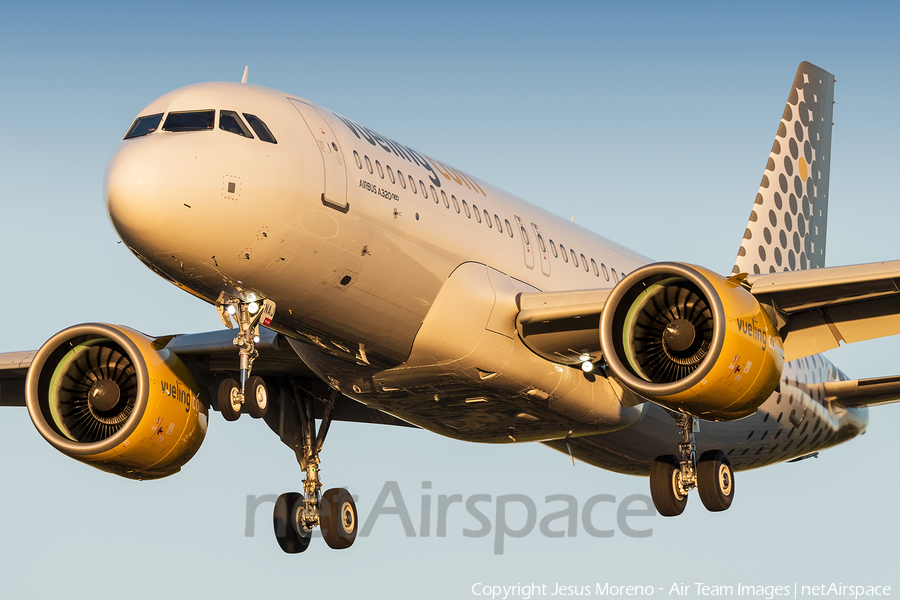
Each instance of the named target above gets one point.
<point>335,192</point>
<point>526,242</point>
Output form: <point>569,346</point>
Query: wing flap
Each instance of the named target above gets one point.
<point>818,309</point>
<point>561,326</point>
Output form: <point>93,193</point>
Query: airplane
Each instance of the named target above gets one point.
<point>361,280</point>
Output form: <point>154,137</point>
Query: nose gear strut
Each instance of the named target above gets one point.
<point>247,316</point>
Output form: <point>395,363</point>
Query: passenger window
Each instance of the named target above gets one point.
<point>424,191</point>
<point>508,227</point>
<point>230,121</point>
<point>466,208</point>
<point>477,214</point>
<point>455,203</point>
<point>615,277</point>
<point>584,263</point>
<point>497,221</point>
<point>574,258</point>
<point>380,170</point>
<point>144,126</point>
<point>541,243</point>
<point>412,185</point>
<point>358,159</point>
<point>401,180</point>
<point>594,266</point>
<point>605,272</point>
<point>525,237</point>
<point>368,164</point>
<point>487,219</point>
<point>260,129</point>
<point>553,249</point>
<point>444,198</point>
<point>562,250</point>
<point>391,174</point>
<point>194,120</point>
<point>434,194</point>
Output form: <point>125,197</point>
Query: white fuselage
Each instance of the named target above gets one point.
<point>399,275</point>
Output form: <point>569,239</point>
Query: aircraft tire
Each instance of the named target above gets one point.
<point>715,480</point>
<point>256,400</point>
<point>286,523</point>
<point>338,518</point>
<point>227,400</point>
<point>664,473</point>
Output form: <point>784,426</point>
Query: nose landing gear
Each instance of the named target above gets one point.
<point>671,477</point>
<point>296,515</point>
<point>251,394</point>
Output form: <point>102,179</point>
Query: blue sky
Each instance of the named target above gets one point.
<point>649,123</point>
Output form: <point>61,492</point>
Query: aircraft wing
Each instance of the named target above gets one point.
<point>13,368</point>
<point>817,309</point>
<point>209,354</point>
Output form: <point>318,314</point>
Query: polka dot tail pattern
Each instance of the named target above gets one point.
<point>787,226</point>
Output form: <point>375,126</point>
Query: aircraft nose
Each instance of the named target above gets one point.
<point>149,187</point>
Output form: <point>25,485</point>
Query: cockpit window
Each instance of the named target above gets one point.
<point>262,132</point>
<point>143,126</point>
<point>232,123</point>
<point>194,120</point>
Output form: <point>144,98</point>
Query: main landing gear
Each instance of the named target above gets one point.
<point>296,515</point>
<point>250,395</point>
<point>672,477</point>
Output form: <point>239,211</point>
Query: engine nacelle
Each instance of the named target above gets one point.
<point>107,397</point>
<point>692,341</point>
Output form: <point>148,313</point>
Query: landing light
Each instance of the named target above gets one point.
<point>255,339</point>
<point>231,309</point>
<point>253,307</point>
<point>587,366</point>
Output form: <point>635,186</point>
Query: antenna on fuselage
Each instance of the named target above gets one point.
<point>246,70</point>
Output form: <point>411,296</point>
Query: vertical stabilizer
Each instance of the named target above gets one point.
<point>787,226</point>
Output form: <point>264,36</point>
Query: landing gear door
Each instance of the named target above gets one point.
<point>335,193</point>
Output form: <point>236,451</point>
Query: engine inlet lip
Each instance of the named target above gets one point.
<point>608,316</point>
<point>33,389</point>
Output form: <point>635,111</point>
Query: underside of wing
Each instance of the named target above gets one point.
<point>816,310</point>
<point>210,356</point>
<point>13,369</point>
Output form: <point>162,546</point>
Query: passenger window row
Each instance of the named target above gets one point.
<point>482,216</point>
<point>202,120</point>
<point>561,253</point>
<point>428,191</point>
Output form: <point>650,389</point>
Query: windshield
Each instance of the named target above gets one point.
<point>143,126</point>
<point>195,120</point>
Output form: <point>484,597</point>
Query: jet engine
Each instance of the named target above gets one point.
<point>691,341</point>
<point>113,398</point>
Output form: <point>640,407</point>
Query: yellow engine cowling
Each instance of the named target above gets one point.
<point>104,395</point>
<point>692,341</point>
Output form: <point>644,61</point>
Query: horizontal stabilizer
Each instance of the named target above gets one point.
<point>864,392</point>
